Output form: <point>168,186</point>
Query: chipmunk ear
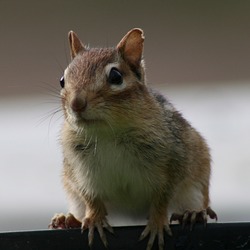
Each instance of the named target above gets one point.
<point>131,47</point>
<point>75,44</point>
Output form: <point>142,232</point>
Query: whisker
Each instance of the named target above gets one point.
<point>59,65</point>
<point>50,115</point>
<point>50,101</point>
<point>51,118</point>
<point>111,128</point>
<point>89,142</point>
<point>49,89</point>
<point>95,149</point>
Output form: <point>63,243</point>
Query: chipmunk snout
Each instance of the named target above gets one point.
<point>78,104</point>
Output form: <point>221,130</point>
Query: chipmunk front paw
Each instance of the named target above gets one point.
<point>190,217</point>
<point>61,221</point>
<point>98,223</point>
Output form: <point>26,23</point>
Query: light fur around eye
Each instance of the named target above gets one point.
<point>114,82</point>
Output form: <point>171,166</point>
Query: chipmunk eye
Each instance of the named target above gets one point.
<point>62,82</point>
<point>115,77</point>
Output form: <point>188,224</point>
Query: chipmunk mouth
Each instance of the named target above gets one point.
<point>81,119</point>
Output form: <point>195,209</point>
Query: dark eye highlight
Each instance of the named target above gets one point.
<point>115,77</point>
<point>62,82</point>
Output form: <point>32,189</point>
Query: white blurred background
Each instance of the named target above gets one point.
<point>197,53</point>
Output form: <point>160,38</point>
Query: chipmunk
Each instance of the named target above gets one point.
<point>126,146</point>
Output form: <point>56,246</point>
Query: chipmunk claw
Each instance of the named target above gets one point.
<point>91,224</point>
<point>153,233</point>
<point>190,217</point>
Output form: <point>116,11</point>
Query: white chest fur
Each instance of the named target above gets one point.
<point>110,171</point>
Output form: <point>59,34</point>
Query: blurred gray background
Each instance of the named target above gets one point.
<point>196,52</point>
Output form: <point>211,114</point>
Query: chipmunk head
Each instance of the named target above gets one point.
<point>101,84</point>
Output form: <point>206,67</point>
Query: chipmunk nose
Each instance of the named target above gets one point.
<point>78,104</point>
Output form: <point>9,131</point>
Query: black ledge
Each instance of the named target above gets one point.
<point>214,236</point>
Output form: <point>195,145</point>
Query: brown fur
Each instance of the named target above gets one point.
<point>126,145</point>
